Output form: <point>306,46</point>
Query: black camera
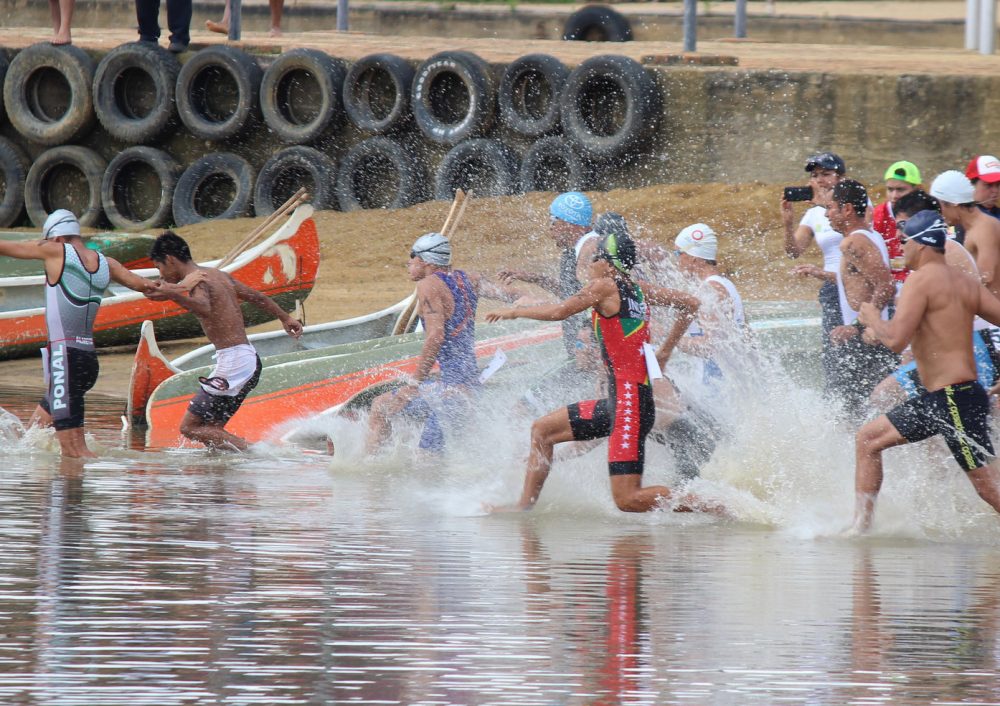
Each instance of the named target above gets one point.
<point>798,193</point>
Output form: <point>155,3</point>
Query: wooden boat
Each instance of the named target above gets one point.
<point>22,282</point>
<point>129,249</point>
<point>283,266</point>
<point>305,384</point>
<point>151,368</point>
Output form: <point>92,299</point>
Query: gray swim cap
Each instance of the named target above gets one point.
<point>60,222</point>
<point>432,248</point>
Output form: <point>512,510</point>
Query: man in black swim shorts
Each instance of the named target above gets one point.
<point>934,315</point>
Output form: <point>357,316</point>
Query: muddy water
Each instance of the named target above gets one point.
<point>176,577</point>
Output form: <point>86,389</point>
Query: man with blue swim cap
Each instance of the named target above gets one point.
<point>934,315</point>
<point>570,227</point>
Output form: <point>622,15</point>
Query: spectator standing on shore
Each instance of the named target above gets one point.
<point>901,178</point>
<point>825,170</point>
<point>147,12</point>
<point>62,19</point>
<point>222,26</point>
<point>984,173</point>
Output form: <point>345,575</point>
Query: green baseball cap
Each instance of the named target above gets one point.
<point>904,171</point>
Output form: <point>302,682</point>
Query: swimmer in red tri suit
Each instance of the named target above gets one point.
<point>620,318</point>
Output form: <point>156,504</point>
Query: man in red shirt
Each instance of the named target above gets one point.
<point>901,178</point>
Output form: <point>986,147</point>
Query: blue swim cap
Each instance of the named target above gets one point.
<point>572,207</point>
<point>926,228</point>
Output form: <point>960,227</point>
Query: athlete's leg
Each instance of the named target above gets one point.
<point>211,434</point>
<point>554,428</point>
<point>986,481</point>
<point>869,443</point>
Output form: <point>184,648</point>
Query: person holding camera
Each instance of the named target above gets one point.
<point>826,170</point>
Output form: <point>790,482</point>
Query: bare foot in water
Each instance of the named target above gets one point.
<point>216,27</point>
<point>491,509</point>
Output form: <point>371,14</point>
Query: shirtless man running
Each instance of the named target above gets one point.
<point>934,315</point>
<point>216,303</point>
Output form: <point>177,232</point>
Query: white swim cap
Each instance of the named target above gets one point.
<point>698,240</point>
<point>952,187</point>
<point>60,222</point>
<point>432,248</point>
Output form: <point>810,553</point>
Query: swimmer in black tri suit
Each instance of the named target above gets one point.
<point>620,319</point>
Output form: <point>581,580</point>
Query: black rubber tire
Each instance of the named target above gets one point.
<point>47,93</point>
<point>134,92</point>
<point>204,184</point>
<point>54,181</point>
<point>379,173</point>
<point>289,170</point>
<point>300,95</point>
<point>528,98</point>
<point>138,188</point>
<point>218,92</point>
<point>553,164</point>
<point>597,23</point>
<point>453,97</point>
<point>377,93</point>
<point>486,167</point>
<point>610,104</point>
<point>14,165</point>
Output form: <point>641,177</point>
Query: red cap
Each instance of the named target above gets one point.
<point>985,167</point>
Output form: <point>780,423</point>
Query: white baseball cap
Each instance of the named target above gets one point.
<point>698,240</point>
<point>952,187</point>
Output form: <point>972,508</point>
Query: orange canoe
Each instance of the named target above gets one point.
<point>283,267</point>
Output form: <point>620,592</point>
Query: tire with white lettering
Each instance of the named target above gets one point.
<point>379,173</point>
<point>553,164</point>
<point>134,92</point>
<point>219,185</point>
<point>610,105</point>
<point>289,170</point>
<point>453,97</point>
<point>483,166</point>
<point>218,92</point>
<point>47,93</point>
<point>377,93</point>
<point>14,164</point>
<point>300,95</point>
<point>528,98</point>
<point>67,177</point>
<point>597,23</point>
<point>138,188</point>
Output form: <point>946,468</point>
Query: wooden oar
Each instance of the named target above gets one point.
<point>450,225</point>
<point>298,197</point>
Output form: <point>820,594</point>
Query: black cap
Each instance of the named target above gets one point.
<point>611,222</point>
<point>826,160</point>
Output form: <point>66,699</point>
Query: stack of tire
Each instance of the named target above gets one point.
<point>142,141</point>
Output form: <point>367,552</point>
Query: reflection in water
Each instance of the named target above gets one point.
<point>187,578</point>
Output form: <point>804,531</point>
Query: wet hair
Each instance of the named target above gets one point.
<point>915,202</point>
<point>169,243</point>
<point>851,192</point>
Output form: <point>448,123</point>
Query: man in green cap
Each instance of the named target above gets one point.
<point>901,178</point>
